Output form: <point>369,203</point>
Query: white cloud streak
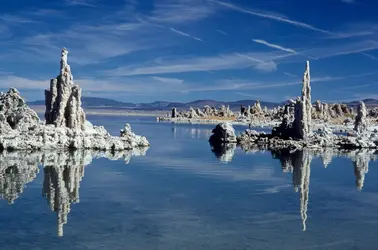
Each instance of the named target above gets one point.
<point>181,11</point>
<point>15,19</point>
<point>370,56</point>
<point>275,46</point>
<point>289,74</point>
<point>87,3</point>
<point>222,32</point>
<point>348,1</point>
<point>346,49</point>
<point>185,34</point>
<point>263,62</point>
<point>167,80</point>
<point>272,17</point>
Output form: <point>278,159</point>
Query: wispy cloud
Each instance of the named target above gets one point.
<point>181,11</point>
<point>15,19</point>
<point>272,17</point>
<point>201,64</point>
<point>173,81</point>
<point>242,84</point>
<point>102,86</point>
<point>370,56</point>
<point>88,3</point>
<point>348,1</point>
<point>185,34</point>
<point>344,49</point>
<point>289,74</point>
<point>275,46</point>
<point>87,44</point>
<point>222,32</point>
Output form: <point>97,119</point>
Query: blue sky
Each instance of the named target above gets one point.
<point>182,50</point>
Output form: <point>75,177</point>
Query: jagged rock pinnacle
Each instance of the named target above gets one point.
<point>63,100</point>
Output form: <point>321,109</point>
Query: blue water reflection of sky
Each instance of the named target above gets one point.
<point>180,196</point>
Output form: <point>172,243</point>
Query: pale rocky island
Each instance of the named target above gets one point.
<point>296,129</point>
<point>65,125</point>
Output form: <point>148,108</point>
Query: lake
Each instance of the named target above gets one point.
<point>181,195</point>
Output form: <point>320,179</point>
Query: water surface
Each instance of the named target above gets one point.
<point>180,195</point>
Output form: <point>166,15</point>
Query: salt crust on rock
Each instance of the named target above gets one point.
<point>65,126</point>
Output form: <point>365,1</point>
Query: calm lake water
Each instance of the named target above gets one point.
<point>180,195</point>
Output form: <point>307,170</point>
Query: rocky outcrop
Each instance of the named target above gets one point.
<point>361,123</point>
<point>328,112</point>
<point>373,113</point>
<point>65,127</point>
<point>15,114</point>
<point>174,113</point>
<point>63,100</point>
<point>299,125</point>
<point>256,108</point>
<point>223,133</point>
<point>199,114</point>
<point>303,108</point>
<point>295,130</point>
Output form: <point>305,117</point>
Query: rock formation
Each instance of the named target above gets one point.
<point>66,127</point>
<point>15,114</point>
<point>197,114</point>
<point>295,130</point>
<point>299,125</point>
<point>174,113</point>
<point>361,124</point>
<point>223,133</point>
<point>303,108</point>
<point>63,100</point>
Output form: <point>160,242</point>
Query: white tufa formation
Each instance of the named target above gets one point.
<point>361,124</point>
<point>65,128</point>
<point>303,108</point>
<point>63,100</point>
<point>223,133</point>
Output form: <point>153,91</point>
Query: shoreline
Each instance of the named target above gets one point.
<point>110,112</point>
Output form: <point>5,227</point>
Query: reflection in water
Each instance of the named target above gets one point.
<point>61,183</point>
<point>195,133</point>
<point>225,152</point>
<point>361,166</point>
<point>14,175</point>
<point>63,172</point>
<point>298,163</point>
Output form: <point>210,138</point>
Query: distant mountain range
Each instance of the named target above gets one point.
<point>105,103</point>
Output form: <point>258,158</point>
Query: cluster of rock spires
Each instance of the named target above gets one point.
<point>337,114</point>
<point>63,172</point>
<point>196,113</point>
<point>326,112</point>
<point>296,128</point>
<point>65,125</point>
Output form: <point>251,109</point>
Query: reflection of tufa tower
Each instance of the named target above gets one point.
<point>361,167</point>
<point>301,178</point>
<point>298,162</point>
<point>62,182</point>
<point>14,175</point>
